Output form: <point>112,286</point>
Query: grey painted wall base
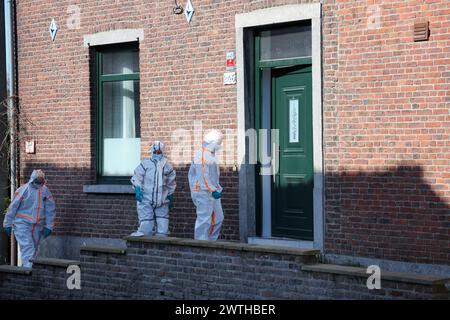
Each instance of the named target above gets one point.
<point>68,247</point>
<point>390,265</point>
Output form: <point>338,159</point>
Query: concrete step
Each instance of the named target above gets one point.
<point>307,255</point>
<point>281,242</point>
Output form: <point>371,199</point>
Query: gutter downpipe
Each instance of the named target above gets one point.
<point>11,96</point>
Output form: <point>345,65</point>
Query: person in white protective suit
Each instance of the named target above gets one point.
<point>205,188</point>
<point>154,184</point>
<point>31,214</point>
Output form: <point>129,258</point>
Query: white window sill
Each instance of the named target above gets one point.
<point>108,188</point>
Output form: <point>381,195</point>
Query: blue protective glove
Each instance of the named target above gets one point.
<point>138,192</point>
<point>216,194</point>
<point>170,198</point>
<point>8,231</point>
<point>47,232</point>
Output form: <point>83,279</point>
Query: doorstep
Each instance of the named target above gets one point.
<point>281,242</point>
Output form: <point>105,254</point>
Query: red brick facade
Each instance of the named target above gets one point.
<point>385,115</point>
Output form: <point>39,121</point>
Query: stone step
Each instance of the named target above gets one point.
<point>281,242</point>
<point>308,255</point>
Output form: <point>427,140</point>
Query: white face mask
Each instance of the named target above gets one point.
<point>157,157</point>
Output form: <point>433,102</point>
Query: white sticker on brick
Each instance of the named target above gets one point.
<point>229,78</point>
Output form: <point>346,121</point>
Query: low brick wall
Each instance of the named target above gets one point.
<point>45,281</point>
<point>172,268</point>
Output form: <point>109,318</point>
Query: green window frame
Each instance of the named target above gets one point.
<point>101,80</point>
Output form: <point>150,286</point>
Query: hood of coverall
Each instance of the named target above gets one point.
<point>37,178</point>
<point>157,145</point>
<point>213,140</point>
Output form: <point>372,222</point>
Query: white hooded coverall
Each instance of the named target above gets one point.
<point>203,181</point>
<point>31,209</point>
<point>157,181</point>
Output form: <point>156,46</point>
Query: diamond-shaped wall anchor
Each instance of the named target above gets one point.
<point>53,29</point>
<point>189,11</point>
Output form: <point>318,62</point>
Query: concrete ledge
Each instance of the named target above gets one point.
<point>239,246</point>
<point>280,242</point>
<point>113,36</point>
<point>104,249</point>
<point>385,275</point>
<point>56,262</point>
<point>13,269</point>
<point>108,188</point>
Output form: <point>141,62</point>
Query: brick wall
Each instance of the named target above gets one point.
<point>163,269</point>
<point>385,102</point>
<point>386,130</point>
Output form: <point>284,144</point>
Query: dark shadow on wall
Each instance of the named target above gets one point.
<point>391,215</point>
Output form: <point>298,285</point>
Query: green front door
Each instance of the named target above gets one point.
<point>292,191</point>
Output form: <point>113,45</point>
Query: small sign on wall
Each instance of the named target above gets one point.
<point>229,78</point>
<point>231,60</point>
<point>30,146</point>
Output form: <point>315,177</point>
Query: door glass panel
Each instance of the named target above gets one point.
<point>286,42</point>
<point>293,121</point>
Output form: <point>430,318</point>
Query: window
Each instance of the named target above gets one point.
<point>118,125</point>
<point>286,42</point>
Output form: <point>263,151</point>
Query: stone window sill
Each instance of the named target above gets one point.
<point>108,188</point>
